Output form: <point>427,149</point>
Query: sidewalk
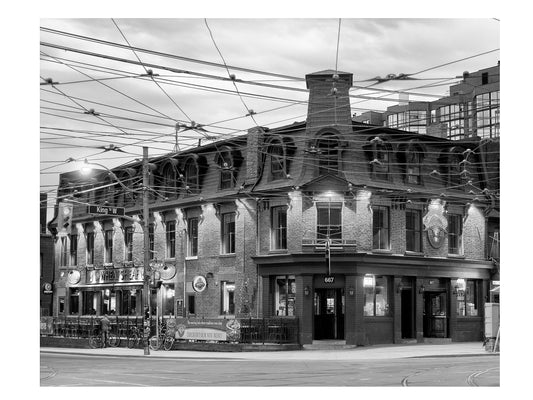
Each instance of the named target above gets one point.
<point>360,353</point>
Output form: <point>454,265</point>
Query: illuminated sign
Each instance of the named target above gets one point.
<point>369,281</point>
<point>115,275</point>
<point>199,283</point>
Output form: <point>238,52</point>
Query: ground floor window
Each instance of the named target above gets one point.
<point>227,298</point>
<point>74,301</point>
<point>61,305</point>
<point>467,298</point>
<point>285,295</point>
<point>168,300</point>
<point>191,304</point>
<point>376,296</point>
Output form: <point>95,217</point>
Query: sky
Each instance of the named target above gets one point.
<point>190,81</point>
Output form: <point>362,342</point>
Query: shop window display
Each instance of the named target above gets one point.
<point>285,295</point>
<point>376,296</point>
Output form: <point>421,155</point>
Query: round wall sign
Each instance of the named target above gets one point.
<point>167,272</point>
<point>199,283</point>
<point>48,286</point>
<point>74,277</point>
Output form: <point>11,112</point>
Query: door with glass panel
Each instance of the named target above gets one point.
<point>329,314</point>
<point>435,314</point>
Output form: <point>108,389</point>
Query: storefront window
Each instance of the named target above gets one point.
<point>376,296</point>
<point>285,295</point>
<point>168,300</point>
<point>228,298</point>
<point>467,304</point>
<point>61,307</point>
<point>109,302</point>
<point>128,299</point>
<point>89,303</point>
<point>74,301</point>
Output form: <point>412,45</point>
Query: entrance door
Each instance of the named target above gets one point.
<point>435,315</point>
<point>408,311</point>
<point>329,314</point>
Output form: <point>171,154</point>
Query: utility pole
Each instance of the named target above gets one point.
<point>147,269</point>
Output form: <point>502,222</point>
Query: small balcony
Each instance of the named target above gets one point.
<point>336,245</point>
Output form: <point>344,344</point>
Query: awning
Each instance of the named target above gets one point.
<point>106,285</point>
<point>495,290</point>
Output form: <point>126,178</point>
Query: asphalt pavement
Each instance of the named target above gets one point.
<point>377,352</point>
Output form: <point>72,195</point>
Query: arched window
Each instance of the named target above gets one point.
<point>191,176</point>
<point>411,154</point>
<point>328,154</point>
<point>169,181</point>
<point>277,161</point>
<point>455,167</point>
<point>225,163</point>
<point>379,152</point>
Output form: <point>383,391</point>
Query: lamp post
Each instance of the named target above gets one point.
<point>146,243</point>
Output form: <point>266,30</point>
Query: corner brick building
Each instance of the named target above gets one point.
<point>364,234</point>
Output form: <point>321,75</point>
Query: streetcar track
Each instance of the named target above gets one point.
<point>471,379</point>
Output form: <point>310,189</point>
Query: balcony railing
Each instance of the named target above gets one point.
<point>336,245</point>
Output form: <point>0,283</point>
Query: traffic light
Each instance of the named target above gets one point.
<point>146,313</point>
<point>64,218</point>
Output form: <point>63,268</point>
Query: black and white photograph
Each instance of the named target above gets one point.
<point>266,200</point>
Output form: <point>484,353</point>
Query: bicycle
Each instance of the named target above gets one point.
<point>95,340</point>
<point>134,338</point>
<point>164,339</point>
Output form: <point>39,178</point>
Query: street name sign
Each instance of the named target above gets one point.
<point>105,210</point>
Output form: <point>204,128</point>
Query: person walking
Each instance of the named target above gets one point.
<point>105,324</point>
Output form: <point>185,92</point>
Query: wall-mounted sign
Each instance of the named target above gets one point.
<point>105,210</point>
<point>47,288</point>
<point>329,279</point>
<point>135,274</point>
<point>74,277</point>
<point>369,281</point>
<point>207,329</point>
<point>435,223</point>
<point>167,271</point>
<point>199,283</point>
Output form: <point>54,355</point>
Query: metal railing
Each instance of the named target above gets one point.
<point>252,330</point>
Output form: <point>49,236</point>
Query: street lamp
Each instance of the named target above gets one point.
<point>146,245</point>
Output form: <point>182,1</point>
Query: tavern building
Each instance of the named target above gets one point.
<point>365,234</point>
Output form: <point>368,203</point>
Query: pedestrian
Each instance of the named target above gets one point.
<point>105,324</point>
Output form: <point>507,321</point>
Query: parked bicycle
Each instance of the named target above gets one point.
<point>134,338</point>
<point>163,340</point>
<point>96,341</point>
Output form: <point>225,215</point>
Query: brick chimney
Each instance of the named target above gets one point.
<point>329,102</point>
<point>253,153</point>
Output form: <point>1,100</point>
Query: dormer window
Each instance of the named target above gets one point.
<point>225,163</point>
<point>170,181</point>
<point>411,155</point>
<point>379,154</point>
<point>277,161</point>
<point>191,176</point>
<point>328,154</point>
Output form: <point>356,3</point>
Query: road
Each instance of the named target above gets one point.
<point>78,370</point>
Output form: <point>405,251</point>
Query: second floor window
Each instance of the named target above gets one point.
<point>128,243</point>
<point>73,249</point>
<point>329,221</point>
<point>278,228</point>
<point>90,248</point>
<point>380,228</point>
<point>108,242</point>
<point>192,237</point>
<point>413,228</point>
<point>171,239</point>
<point>455,234</point>
<point>228,233</point>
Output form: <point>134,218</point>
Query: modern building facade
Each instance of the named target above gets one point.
<point>366,234</point>
<point>472,109</point>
